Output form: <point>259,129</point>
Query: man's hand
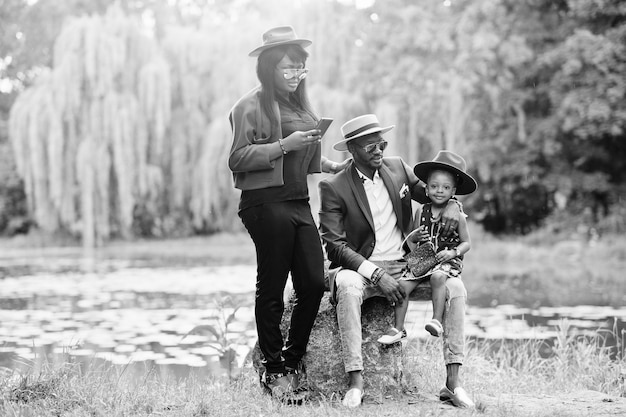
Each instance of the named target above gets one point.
<point>450,218</point>
<point>391,288</point>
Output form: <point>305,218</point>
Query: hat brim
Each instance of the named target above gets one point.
<point>342,145</point>
<point>302,42</point>
<point>465,183</point>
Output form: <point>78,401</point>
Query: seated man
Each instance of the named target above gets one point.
<point>365,214</point>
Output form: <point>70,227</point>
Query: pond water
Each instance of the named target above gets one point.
<point>174,320</point>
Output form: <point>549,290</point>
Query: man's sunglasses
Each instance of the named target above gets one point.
<point>372,146</point>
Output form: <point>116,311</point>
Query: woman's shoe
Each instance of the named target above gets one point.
<point>298,379</point>
<point>434,328</point>
<point>282,386</point>
<point>392,336</point>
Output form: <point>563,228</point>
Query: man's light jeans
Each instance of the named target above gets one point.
<point>352,289</point>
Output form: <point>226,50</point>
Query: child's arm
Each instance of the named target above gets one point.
<point>462,248</point>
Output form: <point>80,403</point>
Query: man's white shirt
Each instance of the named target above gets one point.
<point>388,246</point>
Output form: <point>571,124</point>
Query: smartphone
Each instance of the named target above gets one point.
<point>323,125</point>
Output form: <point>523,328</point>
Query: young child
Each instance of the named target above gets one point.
<point>445,177</point>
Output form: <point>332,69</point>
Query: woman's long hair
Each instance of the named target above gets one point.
<point>265,70</point>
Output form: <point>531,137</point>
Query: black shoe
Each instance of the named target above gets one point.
<point>299,378</point>
<point>283,387</point>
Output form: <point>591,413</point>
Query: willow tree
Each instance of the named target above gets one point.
<point>89,135</point>
<point>198,184</point>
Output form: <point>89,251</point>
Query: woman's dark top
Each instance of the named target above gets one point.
<point>293,118</point>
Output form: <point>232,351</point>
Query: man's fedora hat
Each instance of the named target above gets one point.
<point>357,127</point>
<point>451,162</point>
<point>282,35</point>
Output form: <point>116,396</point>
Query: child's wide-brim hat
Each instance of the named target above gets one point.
<point>358,127</point>
<point>282,35</point>
<point>451,162</point>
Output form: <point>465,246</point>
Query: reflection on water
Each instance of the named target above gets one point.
<point>607,325</point>
<point>140,318</point>
<point>511,323</point>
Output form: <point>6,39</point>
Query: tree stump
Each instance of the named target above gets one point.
<point>383,373</point>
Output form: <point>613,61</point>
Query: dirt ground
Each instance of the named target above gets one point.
<point>581,403</point>
<point>575,404</point>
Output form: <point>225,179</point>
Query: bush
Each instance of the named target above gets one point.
<point>13,208</point>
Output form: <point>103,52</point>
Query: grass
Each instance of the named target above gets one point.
<point>577,364</point>
<point>544,269</point>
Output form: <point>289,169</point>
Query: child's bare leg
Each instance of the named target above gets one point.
<point>403,306</point>
<point>438,286</point>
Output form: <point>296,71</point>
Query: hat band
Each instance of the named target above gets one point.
<point>277,39</point>
<point>361,129</point>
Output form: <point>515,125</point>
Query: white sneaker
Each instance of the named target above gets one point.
<point>392,336</point>
<point>459,397</point>
<point>434,328</point>
<point>353,398</point>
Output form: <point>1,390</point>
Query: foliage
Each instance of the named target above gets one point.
<point>532,94</point>
<point>86,134</point>
<point>571,97</point>
<point>13,210</point>
<point>29,31</point>
<point>219,333</point>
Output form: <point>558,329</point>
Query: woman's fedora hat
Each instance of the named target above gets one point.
<point>282,35</point>
<point>357,127</point>
<point>451,162</point>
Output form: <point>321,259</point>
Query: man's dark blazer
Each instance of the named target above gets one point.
<point>346,223</point>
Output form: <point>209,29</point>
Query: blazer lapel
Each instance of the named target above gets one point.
<point>394,193</point>
<point>359,193</point>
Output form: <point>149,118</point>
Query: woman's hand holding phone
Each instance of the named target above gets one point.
<point>323,125</point>
<point>300,139</point>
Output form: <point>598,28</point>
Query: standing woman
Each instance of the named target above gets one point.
<point>275,145</point>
